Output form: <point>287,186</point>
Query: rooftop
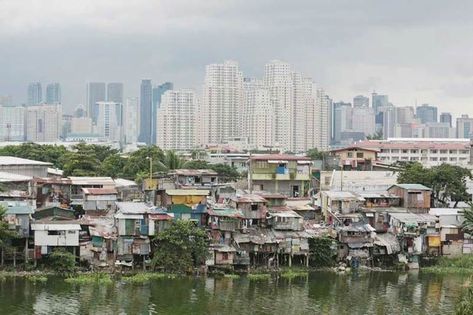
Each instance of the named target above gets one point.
<point>99,191</point>
<point>187,192</point>
<point>413,217</point>
<point>9,177</point>
<point>11,160</point>
<point>17,207</point>
<point>411,186</point>
<point>248,198</point>
<point>90,180</point>
<point>192,172</point>
<point>416,143</point>
<point>286,157</point>
<point>134,207</point>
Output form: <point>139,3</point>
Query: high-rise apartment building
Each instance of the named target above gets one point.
<point>176,120</point>
<point>95,94</point>
<point>35,93</point>
<point>278,80</point>
<point>115,92</point>
<point>405,115</point>
<point>363,120</point>
<point>464,127</point>
<point>361,101</point>
<point>146,111</point>
<point>43,123</point>
<point>258,117</point>
<point>322,120</point>
<point>12,123</point>
<point>53,93</point>
<point>131,120</point>
<point>446,118</point>
<point>388,114</point>
<point>108,124</point>
<point>222,103</point>
<point>341,120</point>
<point>426,114</point>
<point>158,92</point>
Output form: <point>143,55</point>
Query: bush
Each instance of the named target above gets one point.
<point>61,261</point>
<point>464,305</point>
<point>321,252</point>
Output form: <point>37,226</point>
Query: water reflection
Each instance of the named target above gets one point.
<point>319,293</point>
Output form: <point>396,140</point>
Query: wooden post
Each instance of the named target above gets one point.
<point>144,265</point>
<point>26,251</point>
<point>307,260</point>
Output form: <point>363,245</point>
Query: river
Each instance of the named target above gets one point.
<point>318,293</point>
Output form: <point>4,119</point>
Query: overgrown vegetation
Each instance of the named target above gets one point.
<point>468,223</point>
<point>96,160</point>
<point>258,276</point>
<point>461,264</point>
<point>61,261</point>
<point>464,305</point>
<point>6,235</point>
<point>448,182</point>
<point>140,278</point>
<point>180,248</point>
<point>94,278</point>
<point>321,251</point>
<point>36,278</point>
<point>294,273</point>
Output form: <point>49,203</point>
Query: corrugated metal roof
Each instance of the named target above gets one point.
<point>12,160</point>
<point>86,180</point>
<point>6,177</point>
<point>413,217</point>
<point>187,192</point>
<point>134,207</point>
<point>100,191</point>
<point>17,207</point>
<point>445,211</point>
<point>192,172</point>
<point>288,157</point>
<point>55,227</point>
<point>248,198</point>
<point>227,212</point>
<point>411,186</point>
<point>389,241</point>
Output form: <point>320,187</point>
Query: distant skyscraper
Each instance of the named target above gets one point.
<point>222,103</point>
<point>363,120</point>
<point>53,93</point>
<point>43,123</point>
<point>6,100</point>
<point>80,111</point>
<point>158,91</point>
<point>95,94</point>
<point>464,127</point>
<point>258,118</point>
<point>446,118</point>
<point>108,125</point>
<point>12,123</point>
<point>389,120</point>
<point>405,115</point>
<point>35,94</point>
<point>322,120</point>
<point>341,120</point>
<point>115,92</point>
<point>426,114</point>
<point>361,101</point>
<point>131,120</point>
<point>378,101</point>
<point>146,117</point>
<point>176,120</point>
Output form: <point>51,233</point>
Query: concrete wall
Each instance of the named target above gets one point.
<point>66,238</point>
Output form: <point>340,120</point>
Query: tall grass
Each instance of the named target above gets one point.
<point>461,264</point>
<point>94,278</point>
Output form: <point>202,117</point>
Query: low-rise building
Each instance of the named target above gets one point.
<point>49,235</point>
<point>253,207</point>
<point>99,200</point>
<point>415,197</point>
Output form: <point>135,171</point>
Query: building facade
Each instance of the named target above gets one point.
<point>12,123</point>
<point>53,93</point>
<point>131,120</point>
<point>35,93</point>
<point>115,92</point>
<point>158,92</point>
<point>464,127</point>
<point>43,123</point>
<point>426,114</point>
<point>146,114</point>
<point>95,94</point>
<point>108,124</point>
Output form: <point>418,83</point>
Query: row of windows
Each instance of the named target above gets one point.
<point>413,158</point>
<point>425,151</point>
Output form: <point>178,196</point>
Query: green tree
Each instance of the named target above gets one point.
<point>226,172</point>
<point>139,162</point>
<point>378,135</point>
<point>62,261</point>
<point>180,247</point>
<point>321,251</point>
<point>468,223</point>
<point>448,182</point>
<point>6,235</point>
<point>197,165</point>
<point>315,154</point>
<point>113,166</point>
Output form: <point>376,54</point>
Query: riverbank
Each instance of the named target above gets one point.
<point>445,265</point>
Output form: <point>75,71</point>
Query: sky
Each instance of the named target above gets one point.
<point>415,51</point>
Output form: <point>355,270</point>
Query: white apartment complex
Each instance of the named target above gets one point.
<point>428,151</point>
<point>108,125</point>
<point>43,123</point>
<point>12,123</point>
<point>222,103</point>
<point>322,119</point>
<point>131,120</point>
<point>176,120</point>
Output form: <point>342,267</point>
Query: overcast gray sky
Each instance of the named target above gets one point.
<point>412,50</point>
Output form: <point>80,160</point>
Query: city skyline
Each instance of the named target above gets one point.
<point>392,48</point>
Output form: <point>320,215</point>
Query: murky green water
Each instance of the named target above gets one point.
<point>320,293</point>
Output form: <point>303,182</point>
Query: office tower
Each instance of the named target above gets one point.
<point>361,101</point>
<point>378,101</point>
<point>176,120</point>
<point>222,103</point>
<point>95,94</point>
<point>363,120</point>
<point>81,125</point>
<point>53,93</point>
<point>158,91</point>
<point>322,119</point>
<point>12,123</point>
<point>405,115</point>
<point>341,120</point>
<point>146,117</point>
<point>303,113</point>
<point>446,118</point>
<point>438,130</point>
<point>35,95</point>
<point>464,127</point>
<point>426,113</point>
<point>115,92</point>
<point>278,80</point>
<point>131,120</point>
<point>80,111</point>
<point>108,125</point>
<point>258,118</point>
<point>43,123</point>
<point>388,114</point>
<point>6,100</point>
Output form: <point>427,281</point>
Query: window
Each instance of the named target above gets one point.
<point>453,151</point>
<point>453,159</point>
<point>413,151</point>
<point>433,151</point>
<point>405,151</point>
<point>224,256</point>
<point>423,151</point>
<point>433,159</point>
<point>254,207</point>
<point>359,155</point>
<point>443,159</point>
<point>350,154</point>
<point>55,232</point>
<point>443,151</point>
<point>394,151</point>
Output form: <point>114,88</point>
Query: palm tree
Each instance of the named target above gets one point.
<point>468,223</point>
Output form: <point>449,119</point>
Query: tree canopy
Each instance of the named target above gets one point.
<point>448,182</point>
<point>181,247</point>
<point>5,233</point>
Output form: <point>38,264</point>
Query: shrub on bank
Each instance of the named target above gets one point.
<point>61,261</point>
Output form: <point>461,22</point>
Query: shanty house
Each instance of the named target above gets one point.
<point>195,178</point>
<point>415,197</point>
<point>253,207</point>
<point>99,200</point>
<point>51,234</point>
<point>285,220</point>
